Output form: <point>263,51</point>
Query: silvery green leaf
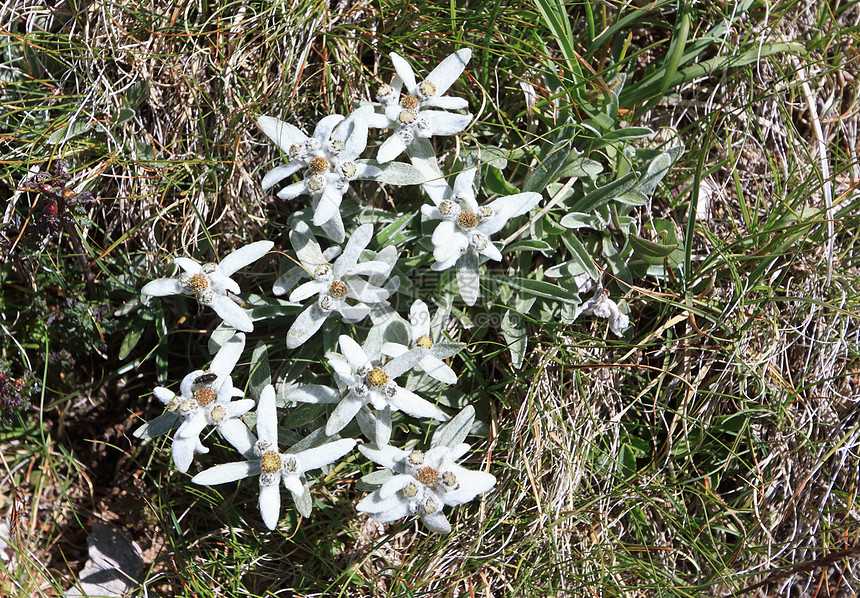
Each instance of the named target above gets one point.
<point>261,375</point>
<point>301,415</point>
<point>632,197</point>
<point>68,131</point>
<point>392,329</point>
<point>580,167</point>
<point>580,254</point>
<point>657,169</point>
<point>287,281</point>
<point>382,434</point>
<point>576,220</point>
<point>396,230</point>
<point>551,161</point>
<point>422,149</point>
<point>314,439</point>
<point>304,505</point>
<point>627,133</point>
<point>375,426</point>
<point>515,333</point>
<point>374,480</point>
<point>220,335</point>
<point>605,194</point>
<point>396,173</point>
<point>571,268</point>
<point>467,278</point>
<point>366,422</point>
<point>493,156</point>
<point>159,426</point>
<point>440,319</point>
<point>456,430</point>
<point>444,350</point>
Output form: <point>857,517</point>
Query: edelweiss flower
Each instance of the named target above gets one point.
<point>603,307</point>
<point>272,465</point>
<point>422,336</point>
<point>362,382</point>
<point>204,399</point>
<point>337,285</point>
<point>463,236</point>
<point>329,160</point>
<point>210,282</point>
<point>409,116</point>
<point>423,483</point>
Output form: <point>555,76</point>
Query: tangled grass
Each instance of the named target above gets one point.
<point>714,455</point>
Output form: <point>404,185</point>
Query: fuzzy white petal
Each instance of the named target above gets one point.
<point>188,265</point>
<point>267,416</point>
<point>391,148</point>
<point>445,123</point>
<point>387,456</point>
<point>449,70</point>
<point>228,356</point>
<point>359,239</point>
<point>165,395</point>
<point>324,455</point>
<point>183,452</point>
<point>238,435</point>
<point>447,103</point>
<point>244,256</point>
<point>192,426</point>
<point>308,289</point>
<point>394,485</point>
<point>408,402</point>
<point>270,505</point>
<point>294,190</point>
<point>354,313</point>
<point>324,127</point>
<point>281,133</point>
<point>163,287</point>
<point>404,71</point>
<point>327,205</point>
<point>305,326</point>
<point>419,317</point>
<point>353,352</point>
<point>437,522</point>
<point>438,370</point>
<point>312,393</point>
<point>294,484</point>
<point>279,173</point>
<point>227,472</point>
<point>232,314</point>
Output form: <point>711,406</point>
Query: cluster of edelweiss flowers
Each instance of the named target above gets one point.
<point>355,284</point>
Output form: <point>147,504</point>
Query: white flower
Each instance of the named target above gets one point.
<point>204,399</point>
<point>422,336</point>
<point>422,484</point>
<point>603,307</point>
<point>462,239</point>
<point>210,282</point>
<point>362,382</point>
<point>328,161</point>
<point>340,288</point>
<point>411,116</point>
<point>273,466</point>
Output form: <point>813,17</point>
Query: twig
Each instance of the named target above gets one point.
<point>823,561</point>
<point>825,166</point>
